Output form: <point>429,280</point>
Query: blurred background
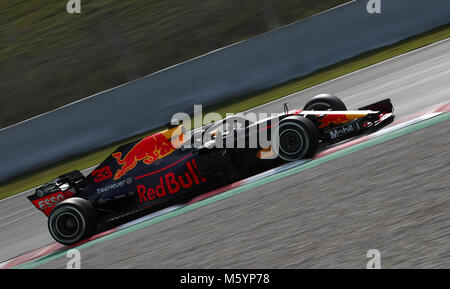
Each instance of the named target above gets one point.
<point>49,58</point>
<point>389,193</point>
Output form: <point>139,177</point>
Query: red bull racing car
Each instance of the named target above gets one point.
<point>167,168</point>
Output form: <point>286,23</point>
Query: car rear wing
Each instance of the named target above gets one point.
<point>47,202</point>
<point>46,197</point>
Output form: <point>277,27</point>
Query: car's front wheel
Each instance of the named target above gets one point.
<point>72,220</point>
<point>297,138</point>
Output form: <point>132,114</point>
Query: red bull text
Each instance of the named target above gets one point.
<point>170,183</point>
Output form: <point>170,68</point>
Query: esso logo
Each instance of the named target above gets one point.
<point>51,201</point>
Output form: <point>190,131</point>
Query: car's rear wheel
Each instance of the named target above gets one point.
<point>72,220</point>
<point>297,138</point>
<point>324,102</point>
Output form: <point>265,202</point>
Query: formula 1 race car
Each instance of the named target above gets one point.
<point>167,168</point>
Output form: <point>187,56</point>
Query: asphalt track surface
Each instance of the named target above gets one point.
<point>393,197</point>
<point>413,81</point>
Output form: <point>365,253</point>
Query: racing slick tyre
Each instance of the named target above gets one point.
<point>72,220</point>
<point>325,102</point>
<point>298,137</point>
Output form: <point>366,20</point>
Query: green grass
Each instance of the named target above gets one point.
<point>34,179</point>
<point>49,58</point>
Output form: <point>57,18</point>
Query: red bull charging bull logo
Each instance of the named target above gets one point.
<point>147,150</point>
